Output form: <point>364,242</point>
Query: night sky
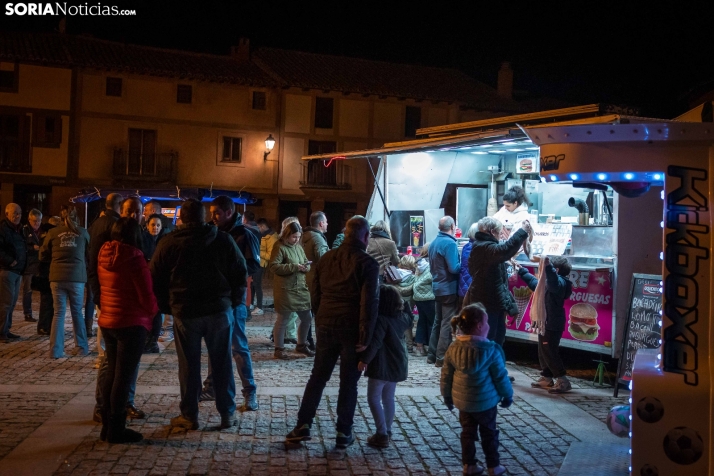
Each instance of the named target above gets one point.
<point>649,55</point>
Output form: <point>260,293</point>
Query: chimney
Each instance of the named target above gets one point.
<point>505,80</point>
<point>241,53</point>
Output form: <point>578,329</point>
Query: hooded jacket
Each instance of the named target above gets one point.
<point>487,265</point>
<point>464,275</point>
<point>422,282</point>
<point>67,253</point>
<point>127,289</point>
<point>12,247</point>
<point>345,294</point>
<point>557,290</point>
<point>198,271</point>
<point>474,376</point>
<point>383,249</point>
<point>315,245</point>
<point>290,291</point>
<point>514,218</point>
<point>386,356</point>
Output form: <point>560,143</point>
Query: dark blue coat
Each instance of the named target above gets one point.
<point>465,277</point>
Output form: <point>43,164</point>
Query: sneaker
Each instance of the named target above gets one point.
<point>472,469</point>
<point>303,349</point>
<point>250,403</point>
<point>183,422</point>
<point>29,318</point>
<point>42,332</point>
<point>134,413</point>
<point>378,441</point>
<point>543,382</point>
<point>431,360</point>
<point>439,363</point>
<point>207,395</point>
<point>166,335</point>
<point>258,311</point>
<point>12,336</point>
<point>151,348</point>
<point>290,341</point>
<point>228,420</point>
<point>299,434</point>
<point>498,470</point>
<point>280,354</point>
<point>343,441</point>
<point>562,385</point>
<point>252,306</point>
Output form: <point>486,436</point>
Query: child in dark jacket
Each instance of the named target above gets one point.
<point>557,289</point>
<point>385,361</point>
<point>474,380</point>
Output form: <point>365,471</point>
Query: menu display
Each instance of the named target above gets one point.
<point>643,324</point>
<point>588,310</point>
<point>551,238</point>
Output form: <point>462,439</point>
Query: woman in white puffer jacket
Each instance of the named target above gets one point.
<point>514,210</point>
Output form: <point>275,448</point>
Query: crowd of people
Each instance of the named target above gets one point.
<point>149,279</point>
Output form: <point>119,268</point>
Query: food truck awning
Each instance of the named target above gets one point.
<point>500,130</point>
<point>202,194</point>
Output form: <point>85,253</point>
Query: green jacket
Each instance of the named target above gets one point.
<point>474,376</point>
<point>422,282</point>
<point>67,254</point>
<point>290,291</point>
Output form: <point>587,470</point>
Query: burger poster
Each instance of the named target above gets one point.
<point>527,163</point>
<point>588,311</point>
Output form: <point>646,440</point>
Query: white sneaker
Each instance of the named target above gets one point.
<point>543,382</point>
<point>252,306</point>
<point>167,335</point>
<point>561,386</point>
<point>258,311</point>
<point>498,470</point>
<point>472,469</point>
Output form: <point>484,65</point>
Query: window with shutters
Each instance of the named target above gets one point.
<point>114,86</point>
<point>141,159</point>
<point>15,143</point>
<point>324,108</point>
<point>184,94</point>
<point>259,100</point>
<point>412,121</point>
<point>232,149</point>
<point>9,79</point>
<point>48,130</point>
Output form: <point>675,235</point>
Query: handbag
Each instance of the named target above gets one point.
<point>392,275</point>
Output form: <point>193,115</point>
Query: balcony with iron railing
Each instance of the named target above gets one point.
<point>317,174</point>
<point>154,167</point>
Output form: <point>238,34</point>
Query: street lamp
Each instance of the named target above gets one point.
<point>269,144</point>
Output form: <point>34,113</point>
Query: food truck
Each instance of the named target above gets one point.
<point>462,170</point>
<point>659,174</point>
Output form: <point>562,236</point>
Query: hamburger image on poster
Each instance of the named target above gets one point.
<point>583,322</point>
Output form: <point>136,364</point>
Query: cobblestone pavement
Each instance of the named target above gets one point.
<point>34,387</point>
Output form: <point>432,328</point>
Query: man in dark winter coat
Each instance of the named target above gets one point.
<point>487,265</point>
<point>199,278</point>
<point>99,233</point>
<point>345,297</point>
<point>13,259</point>
<point>224,217</point>
<point>314,243</point>
<point>31,233</point>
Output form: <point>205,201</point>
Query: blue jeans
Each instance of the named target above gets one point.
<point>497,327</point>
<point>427,311</point>
<point>380,396</point>
<point>62,291</point>
<point>216,330</point>
<point>241,354</point>
<point>9,292</point>
<point>333,344</point>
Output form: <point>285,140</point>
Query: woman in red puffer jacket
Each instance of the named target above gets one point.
<point>128,309</point>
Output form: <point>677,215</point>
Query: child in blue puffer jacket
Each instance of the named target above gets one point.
<point>474,380</point>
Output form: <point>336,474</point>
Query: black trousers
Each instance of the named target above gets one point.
<point>256,288</point>
<point>485,424</point>
<point>331,345</point>
<point>156,327</point>
<point>549,356</point>
<point>123,349</point>
<point>47,311</point>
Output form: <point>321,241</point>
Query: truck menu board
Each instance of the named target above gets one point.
<point>643,325</point>
<point>588,310</point>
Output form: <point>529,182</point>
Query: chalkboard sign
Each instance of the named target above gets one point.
<point>642,328</point>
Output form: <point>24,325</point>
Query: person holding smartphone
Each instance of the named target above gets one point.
<point>289,266</point>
